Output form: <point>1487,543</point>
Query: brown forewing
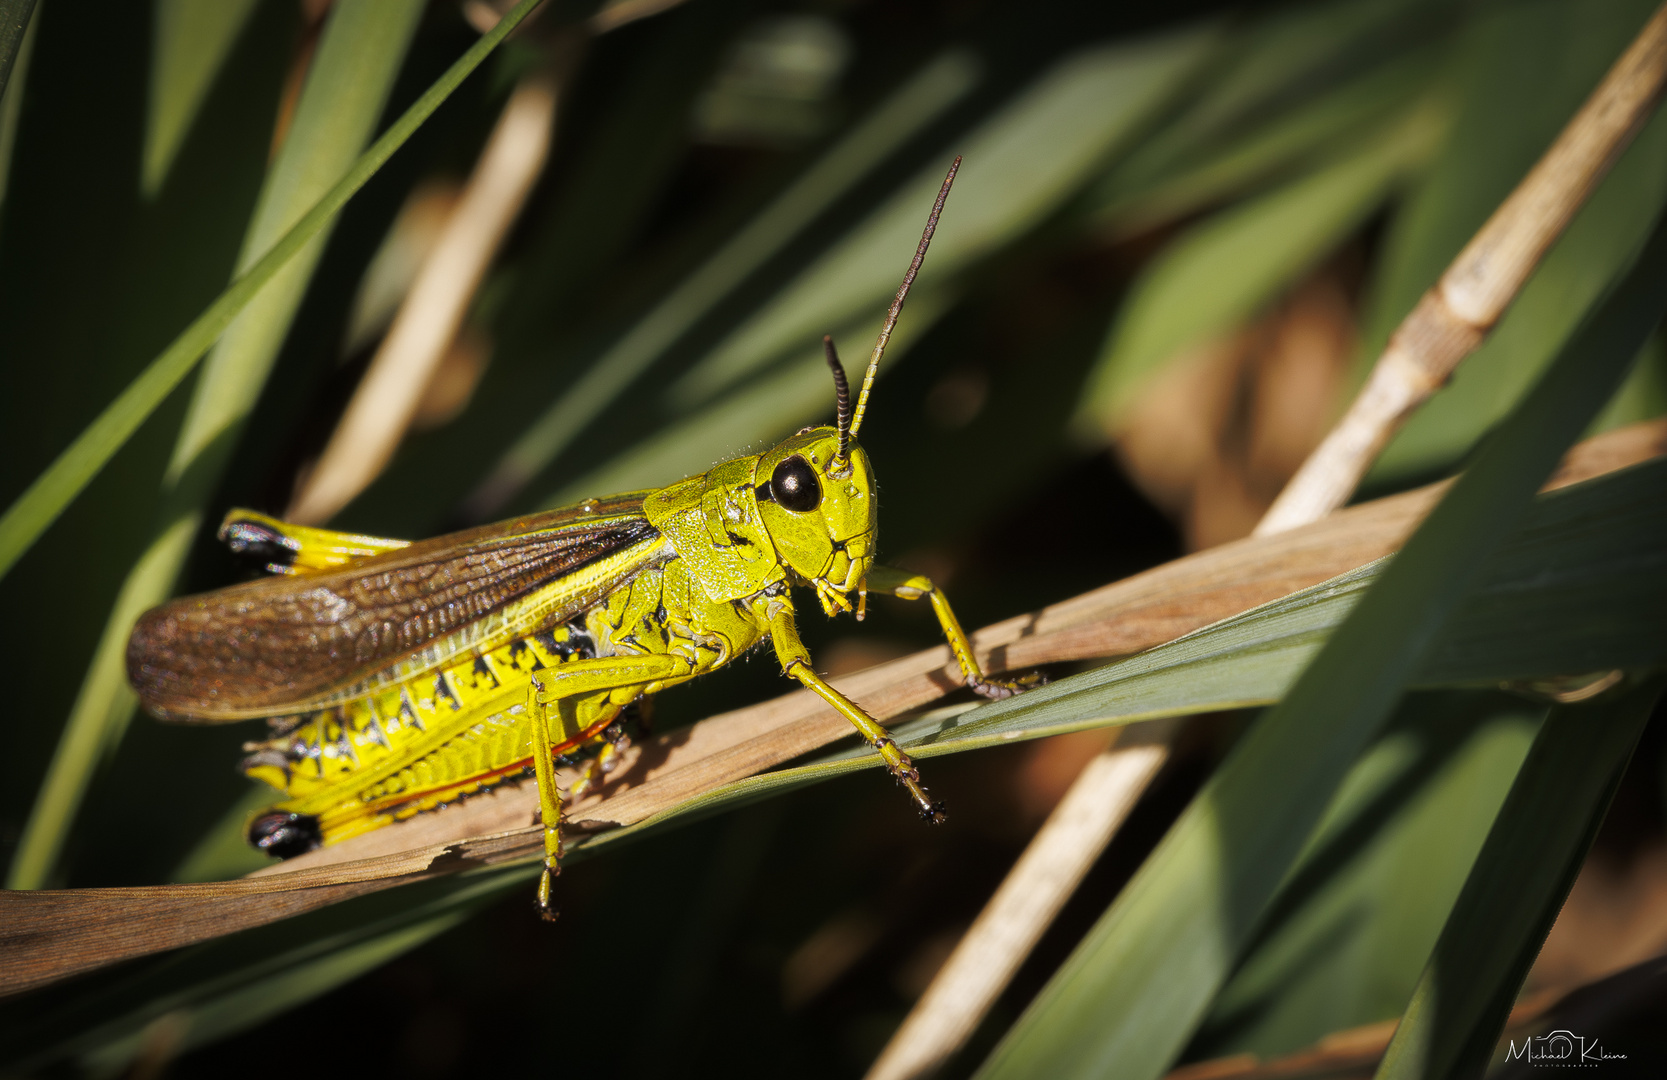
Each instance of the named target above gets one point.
<point>286,644</point>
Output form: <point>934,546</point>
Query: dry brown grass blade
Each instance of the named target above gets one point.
<point>1455,315</point>
<point>51,934</point>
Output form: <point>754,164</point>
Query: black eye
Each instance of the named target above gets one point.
<point>794,485</point>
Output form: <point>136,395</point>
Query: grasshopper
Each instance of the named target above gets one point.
<point>397,677</point>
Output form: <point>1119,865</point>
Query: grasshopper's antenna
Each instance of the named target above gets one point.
<point>902,294</point>
<point>842,394</point>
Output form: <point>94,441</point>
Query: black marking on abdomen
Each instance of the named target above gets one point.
<point>577,645</point>
<point>519,646</point>
<point>408,710</point>
<point>375,725</point>
<point>442,689</point>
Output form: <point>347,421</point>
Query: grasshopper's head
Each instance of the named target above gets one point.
<point>816,491</point>
<point>820,510</point>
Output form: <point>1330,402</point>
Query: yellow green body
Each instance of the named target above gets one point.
<point>713,585</point>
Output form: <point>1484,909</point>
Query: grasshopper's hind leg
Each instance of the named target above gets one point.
<point>554,699</point>
<point>549,799</point>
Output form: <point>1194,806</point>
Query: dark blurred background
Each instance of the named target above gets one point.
<point>1229,207</point>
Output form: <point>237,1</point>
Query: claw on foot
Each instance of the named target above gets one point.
<point>906,774</point>
<point>1000,689</point>
<point>547,908</point>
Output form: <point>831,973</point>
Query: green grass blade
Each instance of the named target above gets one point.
<point>1346,940</point>
<point>359,55</point>
<point>1290,142</point>
<point>47,496</point>
<point>1644,394</point>
<point>1271,66</point>
<point>1020,165</point>
<point>1516,888</point>
<point>1132,993</point>
<point>917,103</point>
<point>97,721</point>
<point>193,39</point>
<point>16,43</point>
<point>348,83</point>
<point>770,407</point>
<point>14,23</point>
<point>1221,272</point>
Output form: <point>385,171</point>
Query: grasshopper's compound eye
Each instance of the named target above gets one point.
<point>794,486</point>
<point>284,834</point>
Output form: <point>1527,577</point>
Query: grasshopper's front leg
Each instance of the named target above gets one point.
<point>795,661</point>
<point>553,702</point>
<point>909,586</point>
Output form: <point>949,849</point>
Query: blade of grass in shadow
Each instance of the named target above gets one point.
<point>1223,270</point>
<point>193,38</point>
<point>348,82</point>
<point>14,60</point>
<point>40,505</point>
<point>1353,950</point>
<point>1276,62</point>
<point>1285,144</point>
<point>1133,991</point>
<point>768,408</point>
<point>1022,163</point>
<point>766,377</point>
<point>1344,943</point>
<point>1517,886</point>
<point>916,104</point>
<point>14,23</point>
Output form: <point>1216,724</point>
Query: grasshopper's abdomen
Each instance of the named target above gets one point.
<point>419,743</point>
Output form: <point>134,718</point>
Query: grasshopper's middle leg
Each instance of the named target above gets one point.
<point>908,586</point>
<point>614,743</point>
<point>558,690</point>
